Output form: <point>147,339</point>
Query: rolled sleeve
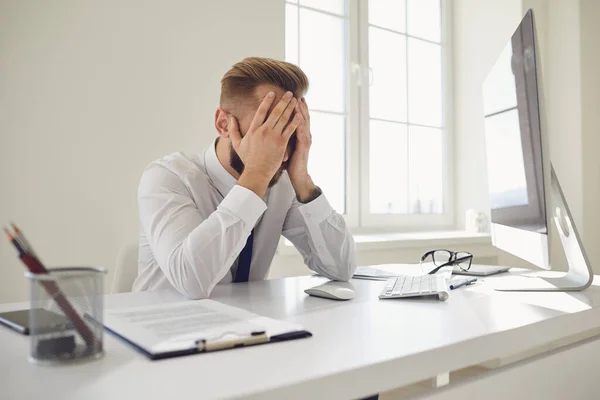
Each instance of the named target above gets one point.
<point>244,204</point>
<point>317,210</point>
<point>322,238</point>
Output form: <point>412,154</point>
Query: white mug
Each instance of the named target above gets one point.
<point>475,221</point>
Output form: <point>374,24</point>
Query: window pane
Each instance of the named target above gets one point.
<point>323,59</point>
<point>426,159</point>
<point>389,14</point>
<point>387,168</point>
<point>292,1</point>
<point>387,60</point>
<point>333,6</point>
<point>291,33</point>
<point>424,19</point>
<point>327,163</point>
<point>425,83</point>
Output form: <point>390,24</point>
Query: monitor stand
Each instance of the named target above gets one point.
<point>579,275</point>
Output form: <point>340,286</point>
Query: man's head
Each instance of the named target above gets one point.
<point>244,87</point>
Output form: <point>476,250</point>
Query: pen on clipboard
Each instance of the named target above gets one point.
<point>466,282</point>
<point>253,338</point>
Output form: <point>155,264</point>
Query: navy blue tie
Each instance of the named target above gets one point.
<point>244,260</point>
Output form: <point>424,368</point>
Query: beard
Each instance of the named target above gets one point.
<point>238,165</point>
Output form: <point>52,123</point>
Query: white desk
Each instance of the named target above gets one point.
<point>359,347</point>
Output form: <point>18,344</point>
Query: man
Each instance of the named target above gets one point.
<point>217,216</point>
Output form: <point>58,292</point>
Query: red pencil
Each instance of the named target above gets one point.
<point>22,240</point>
<point>14,241</point>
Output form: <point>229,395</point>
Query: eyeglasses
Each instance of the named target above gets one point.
<point>442,258</point>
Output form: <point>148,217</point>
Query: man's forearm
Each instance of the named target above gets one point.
<point>306,190</point>
<point>333,251</point>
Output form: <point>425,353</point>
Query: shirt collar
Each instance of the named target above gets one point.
<point>222,179</point>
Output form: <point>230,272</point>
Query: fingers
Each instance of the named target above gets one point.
<point>291,128</point>
<point>303,107</point>
<point>279,109</point>
<point>285,117</point>
<point>234,131</point>
<point>303,128</point>
<point>261,113</point>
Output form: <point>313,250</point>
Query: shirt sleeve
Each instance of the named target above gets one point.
<point>322,238</point>
<point>194,251</point>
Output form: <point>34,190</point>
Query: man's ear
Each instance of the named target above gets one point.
<point>222,123</point>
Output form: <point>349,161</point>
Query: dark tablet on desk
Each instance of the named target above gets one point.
<point>19,320</point>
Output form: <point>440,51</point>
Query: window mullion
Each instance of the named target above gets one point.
<point>363,112</point>
<point>408,191</point>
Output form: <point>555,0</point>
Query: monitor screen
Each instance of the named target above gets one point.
<point>513,135</point>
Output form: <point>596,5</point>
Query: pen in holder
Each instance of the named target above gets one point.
<point>66,314</point>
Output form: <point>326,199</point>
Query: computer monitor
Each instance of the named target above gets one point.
<point>525,195</point>
<point>515,163</point>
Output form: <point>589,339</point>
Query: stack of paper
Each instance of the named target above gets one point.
<point>187,327</point>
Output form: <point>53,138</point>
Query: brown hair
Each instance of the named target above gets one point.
<point>241,81</point>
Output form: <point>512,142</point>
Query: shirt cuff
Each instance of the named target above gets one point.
<point>244,204</point>
<point>317,210</point>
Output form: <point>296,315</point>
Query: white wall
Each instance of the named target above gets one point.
<point>91,92</point>
<point>590,111</point>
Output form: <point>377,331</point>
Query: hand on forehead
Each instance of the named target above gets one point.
<point>250,107</point>
<point>262,91</point>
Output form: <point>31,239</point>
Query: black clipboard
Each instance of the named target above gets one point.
<point>198,349</point>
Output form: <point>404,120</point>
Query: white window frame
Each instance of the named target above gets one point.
<point>358,216</point>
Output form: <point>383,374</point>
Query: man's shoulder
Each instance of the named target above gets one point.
<point>188,168</point>
<point>180,163</point>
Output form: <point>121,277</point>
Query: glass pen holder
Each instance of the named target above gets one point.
<point>65,319</point>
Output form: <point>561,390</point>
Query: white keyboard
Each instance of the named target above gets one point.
<point>411,286</point>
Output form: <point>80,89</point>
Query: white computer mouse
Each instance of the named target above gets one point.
<point>331,292</point>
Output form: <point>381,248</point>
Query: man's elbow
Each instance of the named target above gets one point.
<point>192,290</point>
<point>185,281</point>
<point>196,295</point>
<point>348,258</point>
<point>342,268</point>
<point>346,274</point>
<point>343,272</point>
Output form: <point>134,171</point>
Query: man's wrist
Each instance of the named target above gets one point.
<point>306,190</point>
<point>312,195</point>
<point>254,181</point>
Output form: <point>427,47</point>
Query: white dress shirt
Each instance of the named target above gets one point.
<point>195,221</point>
